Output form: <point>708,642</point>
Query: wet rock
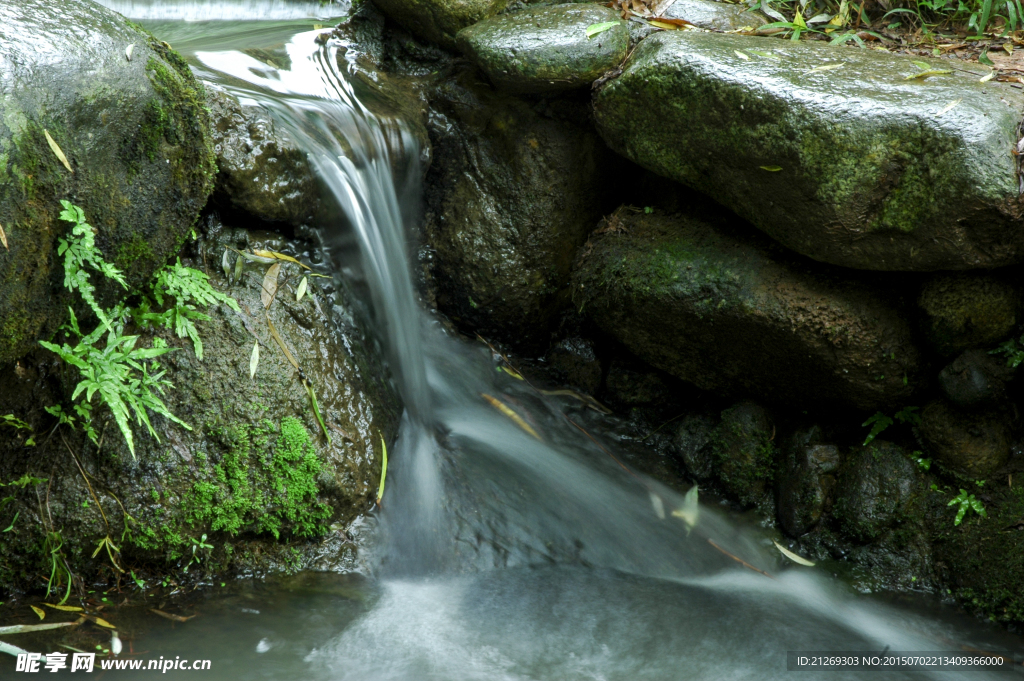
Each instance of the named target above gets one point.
<point>968,310</point>
<point>838,156</point>
<point>511,195</point>
<point>261,170</point>
<point>719,16</point>
<point>875,486</point>
<point>254,473</point>
<point>632,384</point>
<point>694,443</point>
<point>134,133</point>
<point>574,362</point>
<point>742,452</point>
<point>733,315</point>
<point>545,49</point>
<point>975,377</point>
<point>807,478</point>
<point>970,443</point>
<point>439,20</point>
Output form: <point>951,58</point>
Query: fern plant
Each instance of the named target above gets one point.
<point>127,378</point>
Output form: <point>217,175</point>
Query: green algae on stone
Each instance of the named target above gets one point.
<point>735,314</point>
<point>742,452</point>
<point>968,310</point>
<point>832,152</point>
<point>546,49</point>
<point>876,484</point>
<point>439,20</point>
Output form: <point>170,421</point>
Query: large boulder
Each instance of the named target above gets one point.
<point>133,131</point>
<point>439,20</point>
<point>546,49</point>
<point>840,155</point>
<point>734,314</point>
<point>512,193</point>
<point>255,474</point>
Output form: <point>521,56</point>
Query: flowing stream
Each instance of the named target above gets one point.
<point>498,554</point>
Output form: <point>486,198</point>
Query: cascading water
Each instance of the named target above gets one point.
<point>504,554</point>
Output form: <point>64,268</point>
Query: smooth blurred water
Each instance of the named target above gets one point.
<point>504,554</point>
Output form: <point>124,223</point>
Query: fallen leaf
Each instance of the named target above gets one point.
<point>675,22</point>
<point>273,255</point>
<point>64,608</point>
<point>594,29</point>
<point>927,74</point>
<point>225,263</point>
<point>507,411</point>
<point>984,59</point>
<point>949,106</point>
<point>12,650</point>
<point>38,611</point>
<point>302,289</point>
<point>100,621</point>
<point>56,151</point>
<point>766,55</point>
<point>29,628</point>
<point>270,284</point>
<point>658,504</point>
<point>128,51</point>
<point>254,359</point>
<point>239,266</point>
<point>792,556</point>
<point>664,25</point>
<point>771,169</point>
<point>383,470</point>
<point>690,512</point>
<point>826,67</point>
<point>986,78</point>
<point>1008,48</point>
<point>173,618</point>
<point>741,55</point>
<point>513,373</point>
<point>3,237</point>
<point>923,65</point>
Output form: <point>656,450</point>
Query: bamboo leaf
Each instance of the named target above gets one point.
<point>383,470</point>
<point>792,556</point>
<point>690,512</point>
<point>771,169</point>
<point>274,255</point>
<point>948,107</point>
<point>270,284</point>
<point>594,29</point>
<point>741,55</point>
<point>927,74</point>
<point>254,359</point>
<point>507,411</point>
<point>29,628</point>
<point>3,238</point>
<point>56,151</point>
<point>63,608</point>
<point>38,611</point>
<point>100,621</point>
<point>825,67</point>
<point>987,77</point>
<point>302,289</point>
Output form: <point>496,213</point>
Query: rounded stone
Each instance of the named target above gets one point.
<point>971,443</point>
<point>968,310</point>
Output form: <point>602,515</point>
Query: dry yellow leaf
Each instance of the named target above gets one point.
<point>3,238</point>
<point>65,608</point>
<point>57,151</point>
<point>278,256</point>
<point>38,611</point>
<point>507,411</point>
<point>270,284</point>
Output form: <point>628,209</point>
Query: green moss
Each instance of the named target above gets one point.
<point>132,251</point>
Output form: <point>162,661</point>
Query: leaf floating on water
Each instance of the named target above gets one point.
<point>64,608</point>
<point>792,556</point>
<point>383,470</point>
<point>513,373</point>
<point>507,411</point>
<point>949,107</point>
<point>167,615</point>
<point>274,255</point>
<point>128,51</point>
<point>658,504</point>
<point>29,628</point>
<point>987,77</point>
<point>690,512</point>
<point>100,621</point>
<point>927,74</point>
<point>771,169</point>
<point>594,29</point>
<point>254,359</point>
<point>57,151</point>
<point>741,55</point>
<point>302,289</point>
<point>270,284</point>
<point>38,611</point>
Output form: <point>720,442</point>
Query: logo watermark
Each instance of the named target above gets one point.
<point>86,662</point>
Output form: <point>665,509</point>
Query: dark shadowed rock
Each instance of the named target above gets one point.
<point>574,362</point>
<point>694,444</point>
<point>975,377</point>
<point>971,443</point>
<point>733,315</point>
<point>807,477</point>
<point>742,452</point>
<point>875,485</point>
<point>968,310</point>
<point>135,133</point>
<point>835,154</point>
<point>439,20</point>
<point>546,49</point>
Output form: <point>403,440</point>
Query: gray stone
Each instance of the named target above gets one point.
<point>134,132</point>
<point>834,153</point>
<point>718,16</point>
<point>737,316</point>
<point>439,20</point>
<point>545,49</point>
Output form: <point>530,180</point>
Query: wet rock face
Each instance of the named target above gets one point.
<point>875,484</point>
<point>574,361</point>
<point>971,443</point>
<point>968,310</point>
<point>719,16</point>
<point>742,452</point>
<point>439,20</point>
<point>261,170</point>
<point>694,445</point>
<point>807,478</point>
<point>512,193</point>
<point>254,473</point>
<point>134,133</point>
<point>545,49</point>
<point>731,313</point>
<point>857,168</point>
<point>975,377</point>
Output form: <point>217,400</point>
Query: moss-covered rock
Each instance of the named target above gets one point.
<point>511,194</point>
<point>255,473</point>
<point>876,484</point>
<point>806,480</point>
<point>737,315</point>
<point>971,443</point>
<point>546,49</point>
<point>720,16</point>
<point>968,310</point>
<point>743,454</point>
<point>439,20</point>
<point>135,133</point>
<point>836,154</point>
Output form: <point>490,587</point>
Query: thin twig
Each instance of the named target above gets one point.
<point>739,560</point>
